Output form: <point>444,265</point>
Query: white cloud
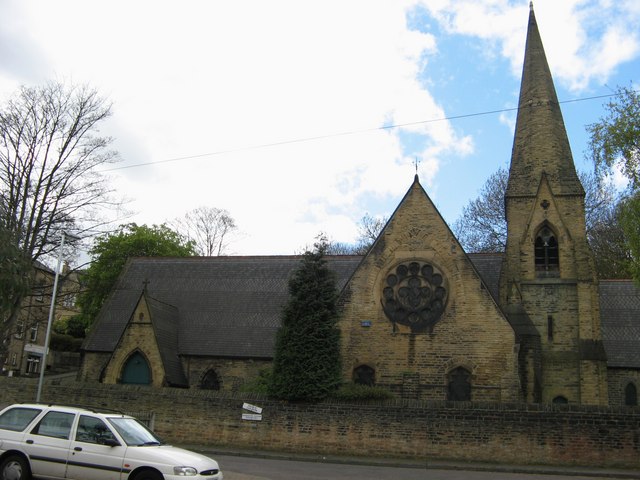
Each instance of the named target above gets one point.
<point>207,77</point>
<point>198,77</point>
<point>588,39</point>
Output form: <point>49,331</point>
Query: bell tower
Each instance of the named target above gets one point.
<point>548,284</point>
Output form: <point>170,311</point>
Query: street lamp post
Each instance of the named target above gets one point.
<point>52,309</point>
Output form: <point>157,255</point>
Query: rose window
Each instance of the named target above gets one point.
<point>414,295</point>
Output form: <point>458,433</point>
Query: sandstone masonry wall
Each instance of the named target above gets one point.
<point>506,433</point>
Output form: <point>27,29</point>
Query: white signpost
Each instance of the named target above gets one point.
<point>252,416</point>
<point>252,408</point>
<point>256,416</point>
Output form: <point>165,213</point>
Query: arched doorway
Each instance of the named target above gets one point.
<point>210,381</point>
<point>631,395</point>
<point>136,370</point>
<point>459,385</point>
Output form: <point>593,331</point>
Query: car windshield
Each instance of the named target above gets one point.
<point>133,432</point>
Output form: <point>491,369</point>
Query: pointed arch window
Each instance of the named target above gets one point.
<point>631,395</point>
<point>547,258</point>
<point>459,385</point>
<point>211,381</point>
<point>136,370</point>
<point>364,375</point>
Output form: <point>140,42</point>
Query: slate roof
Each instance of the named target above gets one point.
<point>225,306</point>
<point>230,306</point>
<point>166,319</point>
<point>489,266</point>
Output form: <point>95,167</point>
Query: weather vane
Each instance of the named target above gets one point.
<point>416,162</point>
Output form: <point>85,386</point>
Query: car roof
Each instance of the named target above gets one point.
<point>70,408</point>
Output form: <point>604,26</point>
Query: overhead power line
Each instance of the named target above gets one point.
<point>340,134</point>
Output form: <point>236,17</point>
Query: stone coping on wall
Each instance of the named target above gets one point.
<point>510,433</point>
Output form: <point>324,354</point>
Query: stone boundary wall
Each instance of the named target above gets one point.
<point>502,433</point>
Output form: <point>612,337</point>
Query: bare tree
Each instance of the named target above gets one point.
<point>482,227</point>
<point>49,179</point>
<point>49,156</point>
<point>209,228</point>
<point>368,230</point>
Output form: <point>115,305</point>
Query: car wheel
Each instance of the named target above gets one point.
<point>14,467</point>
<point>148,475</point>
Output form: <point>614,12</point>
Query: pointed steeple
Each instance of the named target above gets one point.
<point>540,144</point>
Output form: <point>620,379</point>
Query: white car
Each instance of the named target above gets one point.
<point>58,442</point>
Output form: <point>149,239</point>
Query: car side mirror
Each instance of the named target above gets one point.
<point>110,442</point>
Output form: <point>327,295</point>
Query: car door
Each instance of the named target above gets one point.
<point>47,445</point>
<point>96,453</point>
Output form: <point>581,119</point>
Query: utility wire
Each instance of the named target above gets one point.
<point>341,134</point>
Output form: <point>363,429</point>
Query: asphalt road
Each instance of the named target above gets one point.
<point>247,468</point>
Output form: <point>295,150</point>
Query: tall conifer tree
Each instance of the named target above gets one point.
<point>307,357</point>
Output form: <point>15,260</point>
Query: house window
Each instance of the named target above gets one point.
<point>14,359</point>
<point>459,385</point>
<point>546,251</point>
<point>550,328</point>
<point>33,364</point>
<point>33,333</point>
<point>364,375</point>
<point>210,381</point>
<point>19,329</point>
<point>560,400</point>
<point>39,292</point>
<point>69,300</point>
<point>631,395</point>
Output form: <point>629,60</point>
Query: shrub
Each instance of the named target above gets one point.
<point>260,384</point>
<point>350,392</point>
<point>306,364</point>
<point>65,343</point>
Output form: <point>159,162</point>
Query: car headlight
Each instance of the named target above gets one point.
<point>185,471</point>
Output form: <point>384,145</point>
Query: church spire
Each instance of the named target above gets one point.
<point>540,144</point>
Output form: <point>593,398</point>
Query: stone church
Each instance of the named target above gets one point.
<point>420,316</point>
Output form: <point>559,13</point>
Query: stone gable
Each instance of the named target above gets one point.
<point>416,343</point>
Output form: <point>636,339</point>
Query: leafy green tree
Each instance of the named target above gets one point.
<point>630,220</point>
<point>615,138</point>
<point>111,251</point>
<point>73,326</point>
<point>615,143</point>
<point>611,252</point>
<point>306,364</point>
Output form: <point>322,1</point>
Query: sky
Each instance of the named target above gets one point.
<point>301,117</point>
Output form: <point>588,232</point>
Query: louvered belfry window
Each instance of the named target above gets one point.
<point>546,251</point>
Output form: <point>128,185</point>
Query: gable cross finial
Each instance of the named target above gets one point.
<point>145,284</point>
